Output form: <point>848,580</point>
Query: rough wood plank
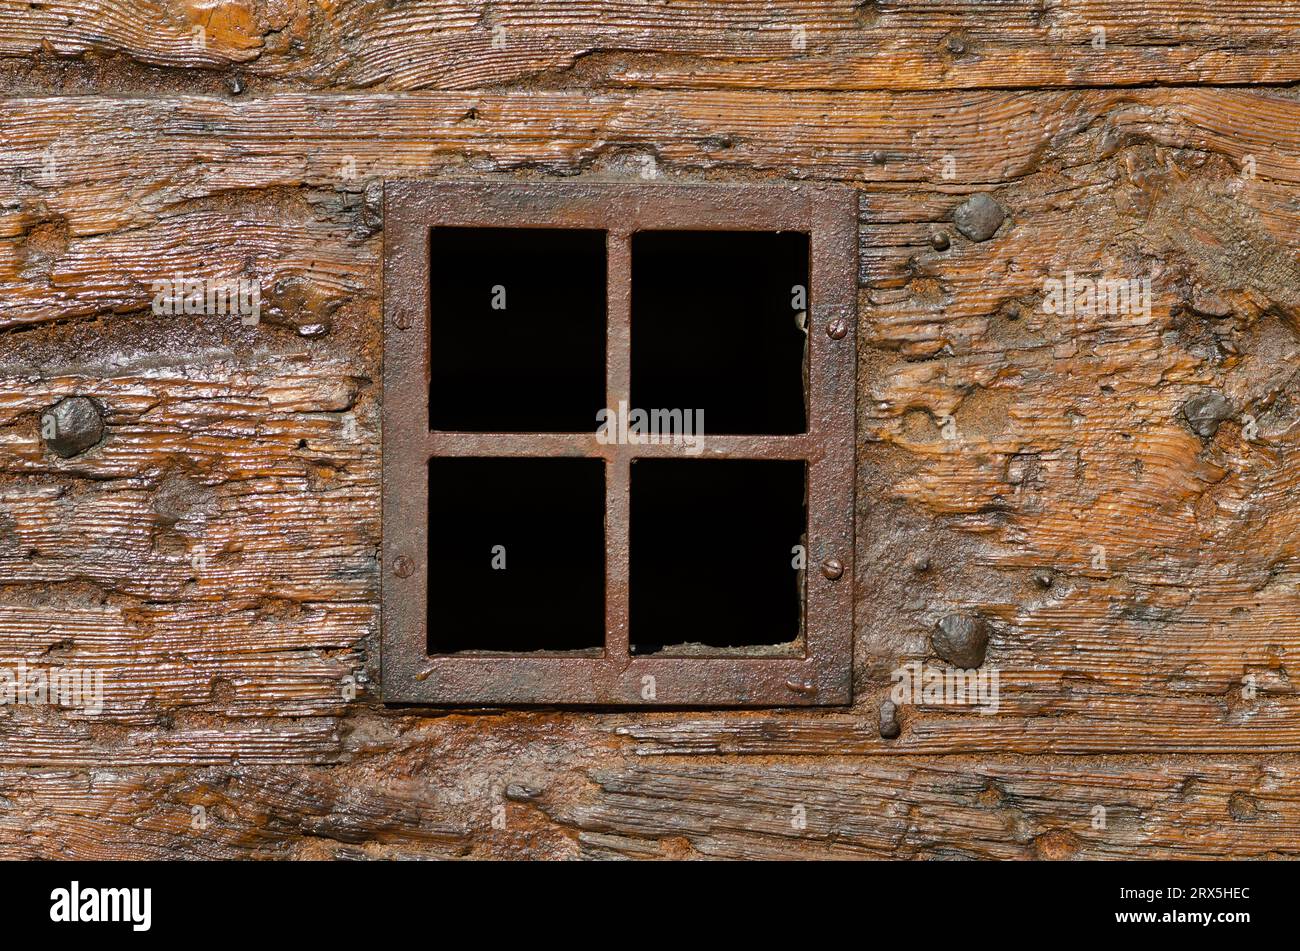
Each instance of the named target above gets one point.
<point>593,806</point>
<point>752,44</point>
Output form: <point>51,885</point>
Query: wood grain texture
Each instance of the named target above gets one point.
<point>216,556</point>
<point>413,804</point>
<point>749,44</point>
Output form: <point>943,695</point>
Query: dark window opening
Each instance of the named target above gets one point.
<point>516,314</point>
<point>516,555</point>
<point>717,555</point>
<point>719,323</point>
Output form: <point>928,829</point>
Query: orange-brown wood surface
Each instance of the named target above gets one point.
<point>216,555</point>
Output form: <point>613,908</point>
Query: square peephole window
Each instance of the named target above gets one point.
<point>719,324</point>
<point>716,557</point>
<point>516,555</point>
<point>516,329</point>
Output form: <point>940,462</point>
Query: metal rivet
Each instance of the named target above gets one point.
<point>837,328</point>
<point>940,241</point>
<point>979,217</point>
<point>889,725</point>
<point>801,686</point>
<point>403,567</point>
<point>71,426</point>
<point>402,321</point>
<point>961,640</point>
<point>519,792</point>
<point>832,568</point>
<point>1205,411</point>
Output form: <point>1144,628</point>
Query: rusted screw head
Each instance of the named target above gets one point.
<point>72,426</point>
<point>832,568</point>
<point>402,567</point>
<point>837,328</point>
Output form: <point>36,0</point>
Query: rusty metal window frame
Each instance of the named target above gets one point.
<point>823,675</point>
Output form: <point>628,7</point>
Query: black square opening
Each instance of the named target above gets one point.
<point>719,324</point>
<point>516,329</point>
<point>516,555</point>
<point>716,556</point>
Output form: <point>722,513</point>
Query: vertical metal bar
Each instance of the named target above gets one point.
<point>618,471</point>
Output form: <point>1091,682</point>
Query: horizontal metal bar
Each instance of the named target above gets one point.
<point>517,444</point>
<point>587,445</point>
<point>645,681</point>
<point>801,446</point>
